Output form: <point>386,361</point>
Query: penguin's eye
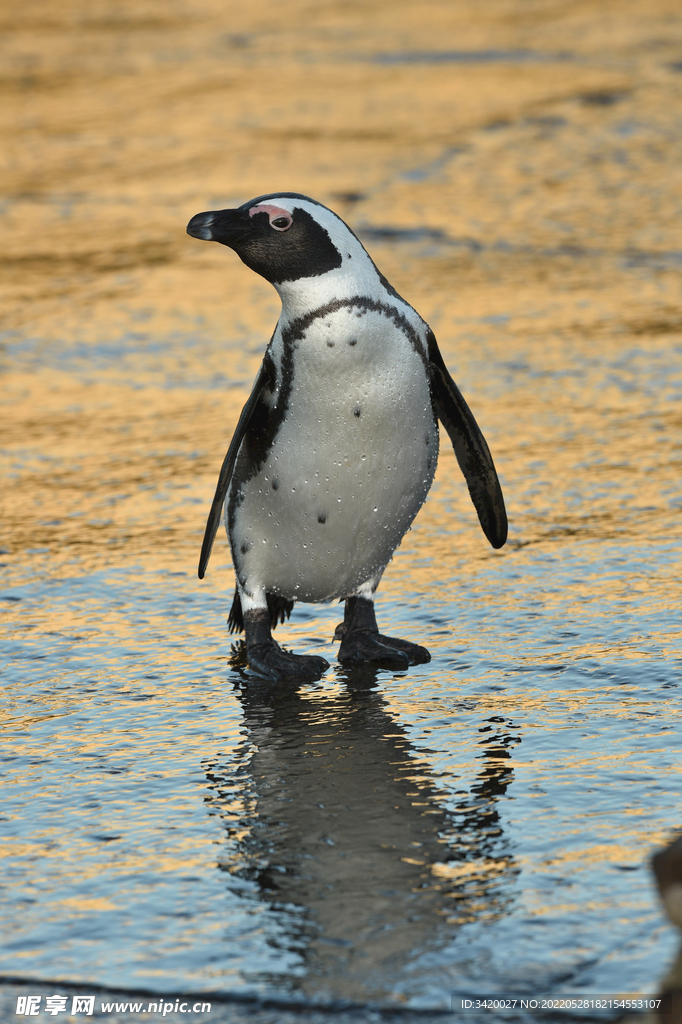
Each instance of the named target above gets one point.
<point>281,223</point>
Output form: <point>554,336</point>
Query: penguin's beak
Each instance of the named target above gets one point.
<point>226,226</point>
<point>200,226</point>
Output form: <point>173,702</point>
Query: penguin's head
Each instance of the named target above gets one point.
<point>285,237</point>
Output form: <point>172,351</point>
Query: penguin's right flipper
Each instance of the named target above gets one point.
<point>471,449</point>
<point>263,382</point>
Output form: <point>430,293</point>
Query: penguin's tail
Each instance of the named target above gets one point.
<point>278,607</point>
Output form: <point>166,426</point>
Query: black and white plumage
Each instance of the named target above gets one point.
<point>336,448</point>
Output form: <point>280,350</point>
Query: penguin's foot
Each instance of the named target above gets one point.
<point>416,654</point>
<point>270,661</point>
<point>266,658</point>
<point>361,641</point>
<point>359,647</point>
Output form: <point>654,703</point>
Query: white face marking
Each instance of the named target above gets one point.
<point>356,276</point>
<point>280,219</point>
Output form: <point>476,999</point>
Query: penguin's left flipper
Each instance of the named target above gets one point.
<point>471,449</point>
<point>262,383</point>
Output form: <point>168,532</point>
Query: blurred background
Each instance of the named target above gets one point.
<point>514,168</point>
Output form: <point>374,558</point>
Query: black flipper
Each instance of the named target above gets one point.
<point>473,454</point>
<point>263,381</point>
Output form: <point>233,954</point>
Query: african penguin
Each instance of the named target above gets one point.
<point>336,448</point>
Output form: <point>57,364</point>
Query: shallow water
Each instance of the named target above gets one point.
<point>478,825</point>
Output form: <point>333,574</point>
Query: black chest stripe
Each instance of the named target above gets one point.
<point>297,328</point>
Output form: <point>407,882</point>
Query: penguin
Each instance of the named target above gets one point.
<point>336,448</point>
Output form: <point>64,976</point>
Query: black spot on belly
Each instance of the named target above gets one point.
<point>428,440</point>
<point>330,344</point>
<point>352,341</point>
<point>275,484</point>
<point>246,547</point>
<point>322,517</point>
<point>357,411</point>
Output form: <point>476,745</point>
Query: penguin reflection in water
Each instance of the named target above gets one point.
<point>336,448</point>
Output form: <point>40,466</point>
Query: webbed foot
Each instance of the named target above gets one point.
<point>267,659</point>
<point>416,654</point>
<point>270,661</point>
<point>361,641</point>
<point>360,647</point>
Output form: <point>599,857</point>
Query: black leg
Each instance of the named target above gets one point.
<point>361,640</point>
<point>266,658</point>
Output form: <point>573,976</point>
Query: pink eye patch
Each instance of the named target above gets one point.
<point>275,213</point>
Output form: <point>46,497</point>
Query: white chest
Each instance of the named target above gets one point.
<point>351,462</point>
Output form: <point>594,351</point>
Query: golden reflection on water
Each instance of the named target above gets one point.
<point>528,206</point>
